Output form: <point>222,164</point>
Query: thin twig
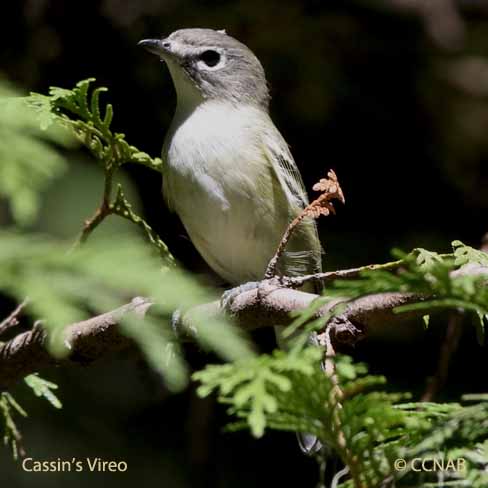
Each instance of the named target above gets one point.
<point>273,263</point>
<point>92,223</point>
<point>103,211</point>
<point>343,274</point>
<point>336,397</point>
<point>330,190</point>
<point>449,346</point>
<point>12,320</point>
<point>123,208</point>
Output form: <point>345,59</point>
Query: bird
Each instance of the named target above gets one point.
<point>228,173</point>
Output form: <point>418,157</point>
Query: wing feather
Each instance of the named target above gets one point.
<point>304,254</point>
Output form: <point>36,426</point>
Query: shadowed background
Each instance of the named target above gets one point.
<point>393,95</point>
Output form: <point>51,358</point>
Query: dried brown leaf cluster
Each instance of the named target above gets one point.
<point>331,190</point>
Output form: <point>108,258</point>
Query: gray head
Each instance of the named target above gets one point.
<point>212,65</point>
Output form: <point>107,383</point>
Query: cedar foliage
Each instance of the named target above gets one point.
<point>356,414</point>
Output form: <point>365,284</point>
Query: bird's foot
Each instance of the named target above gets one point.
<point>229,296</point>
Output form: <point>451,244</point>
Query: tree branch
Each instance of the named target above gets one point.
<point>269,304</point>
<point>88,340</point>
<point>13,319</point>
<point>98,337</point>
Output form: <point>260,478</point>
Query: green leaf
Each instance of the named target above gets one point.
<point>11,435</point>
<point>80,112</point>
<point>466,254</point>
<point>251,384</point>
<point>43,388</point>
<point>28,160</point>
<point>426,259</point>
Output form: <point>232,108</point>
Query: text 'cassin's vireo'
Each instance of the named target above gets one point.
<point>228,173</point>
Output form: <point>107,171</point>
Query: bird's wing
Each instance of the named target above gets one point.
<point>290,177</point>
<point>304,254</point>
<point>285,168</point>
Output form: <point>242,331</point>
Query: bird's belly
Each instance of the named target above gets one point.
<point>219,182</point>
<point>227,231</point>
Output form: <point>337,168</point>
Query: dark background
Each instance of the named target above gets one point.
<point>390,94</point>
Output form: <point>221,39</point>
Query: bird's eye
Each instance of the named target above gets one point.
<point>210,58</point>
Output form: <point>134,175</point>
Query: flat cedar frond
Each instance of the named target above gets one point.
<point>9,407</point>
<point>98,277</point>
<point>289,392</point>
<point>466,254</point>
<point>80,111</point>
<point>28,161</point>
<point>437,278</point>
<point>346,408</point>
<point>11,434</point>
<point>349,410</point>
<point>43,388</point>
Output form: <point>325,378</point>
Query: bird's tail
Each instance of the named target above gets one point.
<point>309,443</point>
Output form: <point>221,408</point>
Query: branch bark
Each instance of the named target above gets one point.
<point>99,337</point>
<point>265,306</point>
<point>89,341</point>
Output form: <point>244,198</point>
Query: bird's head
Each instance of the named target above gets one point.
<point>209,64</point>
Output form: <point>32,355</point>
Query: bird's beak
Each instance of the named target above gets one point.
<point>154,46</point>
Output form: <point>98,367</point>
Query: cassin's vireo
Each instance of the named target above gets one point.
<point>228,173</point>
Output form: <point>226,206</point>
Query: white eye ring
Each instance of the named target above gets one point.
<point>210,60</point>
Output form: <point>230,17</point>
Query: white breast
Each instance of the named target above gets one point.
<point>219,182</point>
